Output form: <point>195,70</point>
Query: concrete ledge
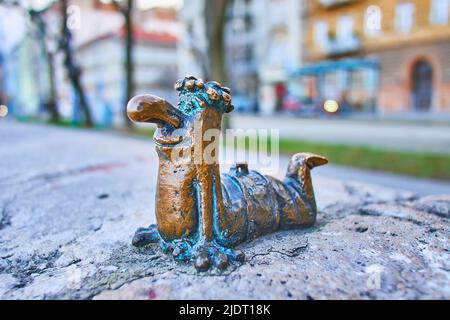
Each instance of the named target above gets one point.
<point>70,201</point>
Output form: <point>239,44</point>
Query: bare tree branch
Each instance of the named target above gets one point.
<point>73,70</point>
<point>215,22</point>
<point>127,12</point>
<point>215,13</point>
<point>124,10</point>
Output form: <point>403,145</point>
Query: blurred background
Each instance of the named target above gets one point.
<point>364,82</point>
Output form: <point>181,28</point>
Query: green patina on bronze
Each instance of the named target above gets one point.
<point>201,215</point>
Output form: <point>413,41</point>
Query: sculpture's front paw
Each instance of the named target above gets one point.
<point>204,254</point>
<point>212,254</point>
<point>145,236</point>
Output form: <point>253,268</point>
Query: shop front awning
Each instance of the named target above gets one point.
<point>335,65</point>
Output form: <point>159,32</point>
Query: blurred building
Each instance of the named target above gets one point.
<point>382,56</point>
<point>192,43</point>
<point>104,77</point>
<point>242,33</point>
<point>100,53</point>
<point>2,79</point>
<point>263,43</point>
<point>25,85</point>
<point>101,56</point>
<point>2,66</point>
<point>18,86</point>
<point>99,46</point>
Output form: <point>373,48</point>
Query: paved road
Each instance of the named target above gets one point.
<point>384,134</point>
<point>32,150</point>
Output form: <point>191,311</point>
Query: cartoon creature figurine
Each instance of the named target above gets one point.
<point>201,215</point>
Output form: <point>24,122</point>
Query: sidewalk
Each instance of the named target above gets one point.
<point>430,137</point>
<point>22,148</point>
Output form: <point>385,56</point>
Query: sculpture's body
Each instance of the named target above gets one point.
<point>201,214</point>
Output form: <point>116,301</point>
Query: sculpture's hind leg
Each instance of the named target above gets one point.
<point>297,189</point>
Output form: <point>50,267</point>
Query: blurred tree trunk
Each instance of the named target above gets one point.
<point>215,18</point>
<point>127,12</point>
<point>52,105</point>
<point>52,108</point>
<point>215,24</point>
<point>73,70</point>
<point>129,63</point>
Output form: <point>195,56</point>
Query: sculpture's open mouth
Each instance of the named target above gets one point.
<point>152,109</point>
<point>166,141</point>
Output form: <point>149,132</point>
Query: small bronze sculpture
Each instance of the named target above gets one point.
<point>200,214</point>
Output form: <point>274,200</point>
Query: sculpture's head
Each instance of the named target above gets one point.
<point>196,96</point>
<point>201,105</point>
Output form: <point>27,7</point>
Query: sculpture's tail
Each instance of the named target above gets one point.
<point>302,162</point>
<point>298,181</point>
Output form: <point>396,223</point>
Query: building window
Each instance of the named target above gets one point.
<point>277,53</point>
<point>345,29</point>
<point>439,13</point>
<point>372,20</point>
<point>404,17</point>
<point>321,34</point>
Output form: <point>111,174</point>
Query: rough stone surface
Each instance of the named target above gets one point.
<point>70,201</point>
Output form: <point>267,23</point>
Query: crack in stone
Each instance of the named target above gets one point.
<point>291,253</point>
<point>5,218</point>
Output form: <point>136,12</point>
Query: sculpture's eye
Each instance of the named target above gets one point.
<point>226,98</point>
<point>213,94</point>
<point>190,84</point>
<point>200,83</point>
